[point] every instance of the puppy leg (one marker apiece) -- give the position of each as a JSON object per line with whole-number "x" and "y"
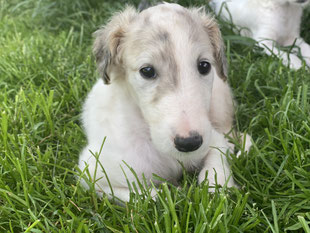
{"x": 122, "y": 193}
{"x": 304, "y": 50}
{"x": 216, "y": 163}
{"x": 114, "y": 174}
{"x": 288, "y": 59}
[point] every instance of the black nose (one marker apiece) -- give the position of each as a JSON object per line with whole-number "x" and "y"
{"x": 301, "y": 1}
{"x": 188, "y": 144}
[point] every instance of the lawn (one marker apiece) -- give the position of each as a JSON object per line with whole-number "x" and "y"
{"x": 46, "y": 71}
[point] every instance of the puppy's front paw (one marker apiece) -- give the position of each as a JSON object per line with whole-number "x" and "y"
{"x": 293, "y": 62}
{"x": 307, "y": 60}
{"x": 216, "y": 178}
{"x": 246, "y": 143}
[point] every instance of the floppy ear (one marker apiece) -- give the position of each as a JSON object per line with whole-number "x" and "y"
{"x": 108, "y": 41}
{"x": 214, "y": 33}
{"x": 218, "y": 47}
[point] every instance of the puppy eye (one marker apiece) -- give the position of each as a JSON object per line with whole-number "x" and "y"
{"x": 204, "y": 67}
{"x": 148, "y": 72}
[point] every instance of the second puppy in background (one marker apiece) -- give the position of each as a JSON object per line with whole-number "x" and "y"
{"x": 272, "y": 23}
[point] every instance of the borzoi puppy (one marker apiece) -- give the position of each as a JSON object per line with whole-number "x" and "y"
{"x": 272, "y": 23}
{"x": 163, "y": 100}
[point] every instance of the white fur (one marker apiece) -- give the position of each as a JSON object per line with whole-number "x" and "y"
{"x": 269, "y": 22}
{"x": 139, "y": 130}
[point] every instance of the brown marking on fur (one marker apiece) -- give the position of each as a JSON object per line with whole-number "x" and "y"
{"x": 163, "y": 36}
{"x": 167, "y": 83}
{"x": 166, "y": 53}
{"x": 190, "y": 23}
{"x": 166, "y": 56}
{"x": 218, "y": 47}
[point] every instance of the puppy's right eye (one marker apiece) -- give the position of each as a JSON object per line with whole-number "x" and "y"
{"x": 204, "y": 67}
{"x": 148, "y": 72}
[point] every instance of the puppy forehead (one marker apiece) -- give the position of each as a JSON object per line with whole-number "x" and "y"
{"x": 170, "y": 16}
{"x": 167, "y": 24}
{"x": 165, "y": 10}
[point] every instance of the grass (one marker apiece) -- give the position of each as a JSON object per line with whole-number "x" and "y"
{"x": 46, "y": 70}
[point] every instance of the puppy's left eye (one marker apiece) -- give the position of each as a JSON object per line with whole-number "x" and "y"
{"x": 204, "y": 67}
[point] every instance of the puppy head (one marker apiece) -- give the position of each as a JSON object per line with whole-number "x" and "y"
{"x": 167, "y": 56}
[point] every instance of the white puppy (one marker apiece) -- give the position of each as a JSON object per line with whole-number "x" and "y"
{"x": 168, "y": 100}
{"x": 271, "y": 23}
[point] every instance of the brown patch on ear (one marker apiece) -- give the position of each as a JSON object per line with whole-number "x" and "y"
{"x": 218, "y": 49}
{"x": 214, "y": 33}
{"x": 106, "y": 47}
